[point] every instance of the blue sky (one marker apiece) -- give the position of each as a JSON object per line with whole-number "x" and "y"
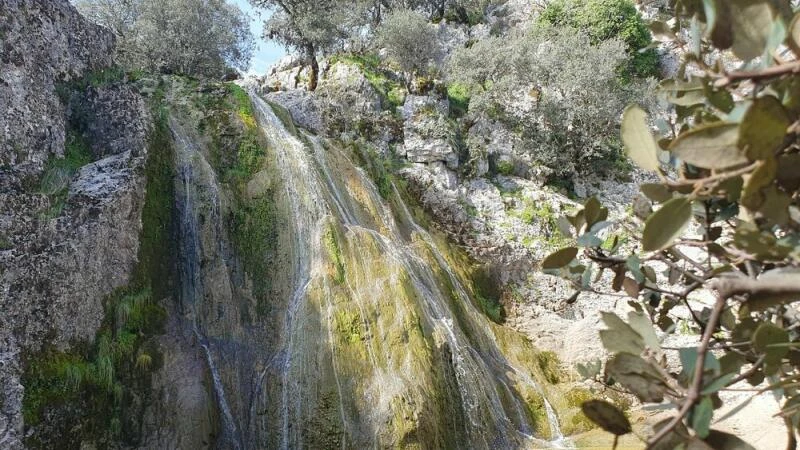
{"x": 266, "y": 52}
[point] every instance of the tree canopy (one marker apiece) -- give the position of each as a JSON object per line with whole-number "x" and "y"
{"x": 192, "y": 37}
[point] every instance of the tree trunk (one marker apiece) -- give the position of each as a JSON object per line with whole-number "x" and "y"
{"x": 314, "y": 75}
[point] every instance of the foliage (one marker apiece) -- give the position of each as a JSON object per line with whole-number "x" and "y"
{"x": 726, "y": 221}
{"x": 413, "y": 51}
{"x": 392, "y": 92}
{"x": 175, "y": 36}
{"x": 535, "y": 85}
{"x": 609, "y": 19}
{"x": 458, "y": 97}
{"x": 59, "y": 172}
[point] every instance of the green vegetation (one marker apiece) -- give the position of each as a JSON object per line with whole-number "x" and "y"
{"x": 255, "y": 232}
{"x": 608, "y": 19}
{"x": 334, "y": 253}
{"x": 59, "y": 172}
{"x": 505, "y": 167}
{"x": 5, "y": 244}
{"x": 734, "y": 175}
{"x": 238, "y": 153}
{"x": 392, "y": 92}
{"x": 100, "y": 382}
{"x": 550, "y": 366}
{"x": 458, "y": 96}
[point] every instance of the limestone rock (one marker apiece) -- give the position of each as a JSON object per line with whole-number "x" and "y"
{"x": 44, "y": 43}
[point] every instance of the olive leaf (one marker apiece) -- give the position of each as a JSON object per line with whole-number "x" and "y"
{"x": 656, "y": 192}
{"x": 606, "y": 416}
{"x": 639, "y": 142}
{"x": 560, "y": 258}
{"x": 642, "y": 325}
{"x": 620, "y": 337}
{"x": 751, "y": 21}
{"x": 701, "y": 417}
{"x": 718, "y": 21}
{"x": 765, "y": 339}
{"x": 763, "y": 128}
{"x": 712, "y": 146}
{"x": 640, "y": 377}
{"x": 666, "y": 224}
{"x": 794, "y": 34}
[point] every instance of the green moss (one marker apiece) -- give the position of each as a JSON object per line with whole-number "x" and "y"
{"x": 242, "y": 104}
{"x": 334, "y": 253}
{"x": 5, "y": 243}
{"x": 549, "y": 364}
{"x": 505, "y": 167}
{"x": 348, "y": 326}
{"x": 392, "y": 92}
{"x": 255, "y": 236}
{"x": 285, "y": 117}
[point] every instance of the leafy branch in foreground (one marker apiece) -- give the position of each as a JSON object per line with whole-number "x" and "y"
{"x": 718, "y": 239}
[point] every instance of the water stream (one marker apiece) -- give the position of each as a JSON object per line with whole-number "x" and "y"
{"x": 323, "y": 187}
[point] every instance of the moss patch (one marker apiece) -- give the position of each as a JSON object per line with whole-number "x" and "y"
{"x": 331, "y": 243}
{"x": 392, "y": 92}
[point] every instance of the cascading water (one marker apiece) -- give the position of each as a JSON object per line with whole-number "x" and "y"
{"x": 194, "y": 171}
{"x": 402, "y": 351}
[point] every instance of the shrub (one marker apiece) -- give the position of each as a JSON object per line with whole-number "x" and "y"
{"x": 609, "y": 19}
{"x": 412, "y": 51}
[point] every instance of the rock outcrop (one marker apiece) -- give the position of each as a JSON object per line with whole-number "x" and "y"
{"x": 61, "y": 252}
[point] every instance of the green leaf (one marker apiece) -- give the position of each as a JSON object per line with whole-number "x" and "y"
{"x": 642, "y": 325}
{"x": 620, "y": 337}
{"x": 638, "y": 376}
{"x": 718, "y": 384}
{"x": 712, "y": 146}
{"x": 763, "y": 128}
{"x": 751, "y": 21}
{"x": 765, "y": 336}
{"x": 794, "y": 34}
{"x": 718, "y": 19}
{"x": 666, "y": 224}
{"x": 701, "y": 417}
{"x": 656, "y": 192}
{"x": 607, "y": 417}
{"x": 560, "y": 259}
{"x": 639, "y": 142}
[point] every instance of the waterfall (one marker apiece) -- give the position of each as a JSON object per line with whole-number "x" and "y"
{"x": 419, "y": 301}
{"x": 195, "y": 174}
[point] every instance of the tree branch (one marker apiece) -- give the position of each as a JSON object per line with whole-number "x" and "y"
{"x": 769, "y": 73}
{"x": 697, "y": 383}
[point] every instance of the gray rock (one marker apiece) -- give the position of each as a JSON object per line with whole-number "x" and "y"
{"x": 304, "y": 107}
{"x": 427, "y": 138}
{"x": 44, "y": 42}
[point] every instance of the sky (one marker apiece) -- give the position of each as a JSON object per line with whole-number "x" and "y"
{"x": 266, "y": 52}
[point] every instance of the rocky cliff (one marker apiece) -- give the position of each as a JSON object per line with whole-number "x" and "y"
{"x": 71, "y": 194}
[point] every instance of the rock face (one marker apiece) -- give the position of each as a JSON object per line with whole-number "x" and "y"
{"x": 44, "y": 42}
{"x": 56, "y": 264}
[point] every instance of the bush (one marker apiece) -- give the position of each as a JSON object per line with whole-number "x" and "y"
{"x": 412, "y": 51}
{"x": 562, "y": 125}
{"x": 609, "y": 19}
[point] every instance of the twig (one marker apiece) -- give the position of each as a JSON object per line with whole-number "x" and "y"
{"x": 697, "y": 383}
{"x": 792, "y": 68}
